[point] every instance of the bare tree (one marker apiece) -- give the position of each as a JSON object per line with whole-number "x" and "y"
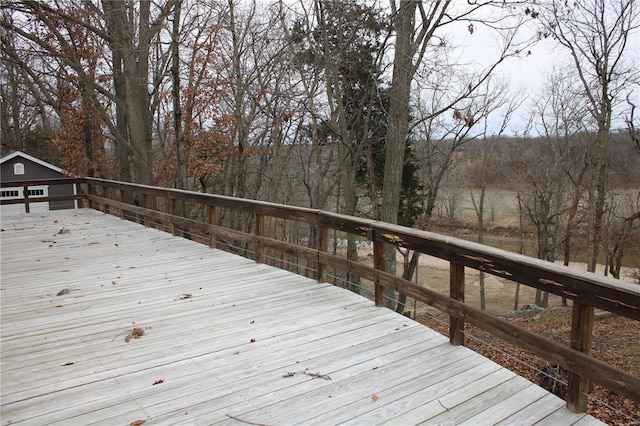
{"x": 73, "y": 36}
{"x": 487, "y": 172}
{"x": 596, "y": 35}
{"x": 620, "y": 228}
{"x": 417, "y": 27}
{"x": 561, "y": 118}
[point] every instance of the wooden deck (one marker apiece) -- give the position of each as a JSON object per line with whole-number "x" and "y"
{"x": 226, "y": 341}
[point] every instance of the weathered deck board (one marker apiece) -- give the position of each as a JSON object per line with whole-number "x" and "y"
{"x": 223, "y": 351}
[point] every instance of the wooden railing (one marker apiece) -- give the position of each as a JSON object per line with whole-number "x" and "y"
{"x": 586, "y": 290}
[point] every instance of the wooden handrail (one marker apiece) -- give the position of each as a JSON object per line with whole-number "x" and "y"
{"x": 586, "y": 290}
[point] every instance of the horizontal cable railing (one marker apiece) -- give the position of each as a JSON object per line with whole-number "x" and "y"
{"x": 259, "y": 230}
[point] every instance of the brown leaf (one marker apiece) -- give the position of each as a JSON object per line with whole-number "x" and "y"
{"x": 136, "y": 333}
{"x": 157, "y": 382}
{"x": 138, "y": 422}
{"x": 374, "y": 397}
{"x": 253, "y": 340}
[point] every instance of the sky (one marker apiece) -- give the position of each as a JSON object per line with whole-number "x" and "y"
{"x": 530, "y": 72}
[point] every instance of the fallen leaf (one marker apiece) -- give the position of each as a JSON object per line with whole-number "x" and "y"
{"x": 64, "y": 291}
{"x": 138, "y": 422}
{"x": 62, "y": 232}
{"x": 136, "y": 333}
{"x": 374, "y": 397}
{"x": 157, "y": 382}
{"x": 253, "y": 340}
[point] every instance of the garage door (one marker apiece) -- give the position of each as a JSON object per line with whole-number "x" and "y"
{"x": 17, "y": 192}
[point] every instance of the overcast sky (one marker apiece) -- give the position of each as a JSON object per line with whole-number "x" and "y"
{"x": 530, "y": 71}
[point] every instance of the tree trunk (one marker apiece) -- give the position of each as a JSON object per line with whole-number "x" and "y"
{"x": 181, "y": 158}
{"x": 516, "y": 300}
{"x": 481, "y": 241}
{"x": 122, "y": 124}
{"x": 398, "y": 125}
{"x": 410, "y": 267}
{"x": 135, "y": 77}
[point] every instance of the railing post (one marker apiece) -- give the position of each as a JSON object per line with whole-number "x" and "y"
{"x": 123, "y": 199}
{"x": 456, "y": 292}
{"x": 323, "y": 246}
{"x": 108, "y": 194}
{"x": 83, "y": 189}
{"x": 212, "y": 218}
{"x": 103, "y": 194}
{"x": 25, "y": 194}
{"x": 173, "y": 205}
{"x": 378, "y": 263}
{"x": 259, "y": 233}
{"x": 145, "y": 204}
{"x": 581, "y": 338}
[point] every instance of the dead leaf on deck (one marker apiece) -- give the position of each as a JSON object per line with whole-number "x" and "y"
{"x": 374, "y": 397}
{"x": 136, "y": 333}
{"x": 62, "y": 232}
{"x": 138, "y": 422}
{"x": 253, "y": 340}
{"x": 157, "y": 382}
{"x": 64, "y": 291}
